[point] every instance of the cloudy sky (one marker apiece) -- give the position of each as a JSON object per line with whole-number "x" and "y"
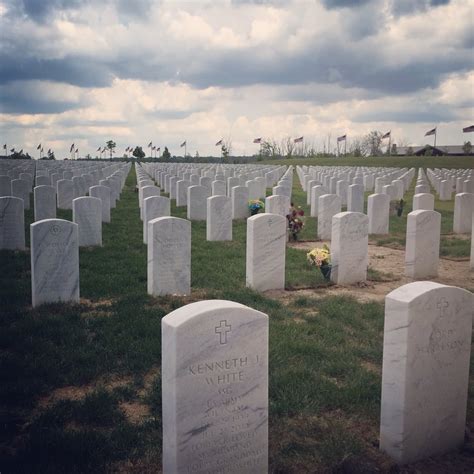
{"x": 86, "y": 71}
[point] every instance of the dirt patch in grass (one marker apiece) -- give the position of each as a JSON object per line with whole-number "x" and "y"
{"x": 96, "y": 309}
{"x": 389, "y": 266}
{"x": 135, "y": 412}
{"x": 148, "y": 380}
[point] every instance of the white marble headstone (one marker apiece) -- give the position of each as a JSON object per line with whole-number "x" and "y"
{"x": 12, "y": 223}
{"x": 425, "y": 374}
{"x": 219, "y": 218}
{"x": 44, "y": 202}
{"x": 87, "y": 214}
{"x": 215, "y": 389}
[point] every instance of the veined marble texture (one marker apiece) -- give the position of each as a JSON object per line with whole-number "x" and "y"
{"x": 154, "y": 207}
{"x": 349, "y": 248}
{"x": 219, "y": 218}
{"x": 197, "y": 203}
{"x": 215, "y": 389}
{"x": 103, "y": 193}
{"x": 425, "y": 374}
{"x": 328, "y": 206}
{"x": 12, "y": 223}
{"x": 266, "y": 252}
{"x": 44, "y": 202}
{"x": 378, "y": 210}
{"x": 169, "y": 256}
{"x": 422, "y": 244}
{"x": 54, "y": 261}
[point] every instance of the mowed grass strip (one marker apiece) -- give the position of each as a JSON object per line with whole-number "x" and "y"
{"x": 81, "y": 387}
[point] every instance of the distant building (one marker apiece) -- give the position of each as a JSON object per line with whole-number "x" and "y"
{"x": 451, "y": 150}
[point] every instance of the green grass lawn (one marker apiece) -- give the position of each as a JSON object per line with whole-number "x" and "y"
{"x": 104, "y": 355}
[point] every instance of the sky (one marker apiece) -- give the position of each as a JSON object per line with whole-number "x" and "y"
{"x": 87, "y": 71}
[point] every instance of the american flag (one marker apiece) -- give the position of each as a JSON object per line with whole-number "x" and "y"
{"x": 183, "y": 144}
{"x": 38, "y": 147}
{"x": 153, "y": 148}
{"x": 72, "y": 148}
{"x": 430, "y": 132}
{"x": 219, "y": 142}
{"x": 150, "y": 144}
{"x": 158, "y": 149}
{"x": 5, "y": 146}
{"x": 341, "y": 138}
{"x": 77, "y": 150}
{"x": 98, "y": 149}
{"x": 49, "y": 151}
{"x": 12, "y": 150}
{"x": 386, "y": 135}
{"x": 468, "y": 129}
{"x": 298, "y": 140}
{"x": 257, "y": 140}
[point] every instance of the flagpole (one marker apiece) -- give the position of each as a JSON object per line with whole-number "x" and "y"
{"x": 185, "y": 145}
{"x": 345, "y": 145}
{"x": 390, "y": 144}
{"x": 436, "y": 131}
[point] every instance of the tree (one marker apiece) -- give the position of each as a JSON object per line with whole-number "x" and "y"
{"x": 166, "y": 154}
{"x": 371, "y": 143}
{"x": 356, "y": 146}
{"x": 138, "y": 153}
{"x": 225, "y": 151}
{"x": 111, "y": 147}
{"x": 467, "y": 148}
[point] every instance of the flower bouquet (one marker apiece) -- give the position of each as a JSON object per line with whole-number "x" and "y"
{"x": 321, "y": 257}
{"x": 255, "y": 205}
{"x": 295, "y": 221}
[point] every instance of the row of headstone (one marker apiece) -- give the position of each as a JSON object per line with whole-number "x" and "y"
{"x": 215, "y": 379}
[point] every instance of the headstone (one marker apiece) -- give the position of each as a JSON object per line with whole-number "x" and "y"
{"x": 219, "y": 218}
{"x": 423, "y": 201}
{"x": 182, "y": 192}
{"x": 219, "y": 188}
{"x": 64, "y": 193}
{"x": 422, "y": 244}
{"x": 12, "y": 223}
{"x": 154, "y": 207}
{"x": 349, "y": 247}
{"x": 5, "y": 186}
{"x": 54, "y": 261}
{"x": 463, "y": 209}
{"x": 266, "y": 252}
{"x": 278, "y": 204}
{"x": 254, "y": 189}
{"x": 316, "y": 192}
{"x": 240, "y": 200}
{"x": 355, "y": 198}
{"x": 445, "y": 191}
{"x": 87, "y": 214}
{"x": 169, "y": 256}
{"x": 197, "y": 203}
{"x": 43, "y": 181}
{"x": 425, "y": 375}
{"x": 103, "y": 193}
{"x": 215, "y": 389}
{"x": 21, "y": 189}
{"x": 44, "y": 202}
{"x": 378, "y": 209}
{"x": 146, "y": 192}
{"x": 328, "y": 206}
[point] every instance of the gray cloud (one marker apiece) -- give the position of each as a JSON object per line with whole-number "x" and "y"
{"x": 418, "y": 113}
{"x": 344, "y": 3}
{"x": 409, "y": 7}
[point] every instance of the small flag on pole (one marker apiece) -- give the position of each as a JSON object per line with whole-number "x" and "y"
{"x": 158, "y": 149}
{"x": 430, "y": 132}
{"x": 20, "y": 152}
{"x": 100, "y": 148}
{"x": 341, "y": 138}
{"x": 49, "y": 151}
{"x": 12, "y": 150}
{"x": 387, "y": 135}
{"x": 468, "y": 129}
{"x": 72, "y": 148}
{"x": 183, "y": 144}
{"x": 5, "y": 146}
{"x": 150, "y": 144}
{"x": 298, "y": 140}
{"x": 219, "y": 142}
{"x": 153, "y": 147}
{"x": 257, "y": 140}
{"x": 77, "y": 150}
{"x": 38, "y": 147}
{"x": 41, "y": 150}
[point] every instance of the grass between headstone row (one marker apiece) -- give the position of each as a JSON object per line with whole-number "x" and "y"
{"x": 81, "y": 384}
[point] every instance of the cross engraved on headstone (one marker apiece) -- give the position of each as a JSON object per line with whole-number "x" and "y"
{"x": 222, "y": 330}
{"x": 442, "y": 305}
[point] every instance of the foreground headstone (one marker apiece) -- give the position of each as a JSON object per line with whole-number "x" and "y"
{"x": 427, "y": 345}
{"x": 215, "y": 389}
{"x": 169, "y": 256}
{"x": 422, "y": 244}
{"x": 54, "y": 261}
{"x": 44, "y": 202}
{"x": 349, "y": 247}
{"x": 266, "y": 252}
{"x": 12, "y": 223}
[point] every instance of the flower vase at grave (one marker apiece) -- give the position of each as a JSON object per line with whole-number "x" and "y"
{"x": 253, "y": 212}
{"x": 326, "y": 271}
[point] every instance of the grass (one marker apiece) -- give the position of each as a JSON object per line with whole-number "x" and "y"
{"x": 105, "y": 355}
